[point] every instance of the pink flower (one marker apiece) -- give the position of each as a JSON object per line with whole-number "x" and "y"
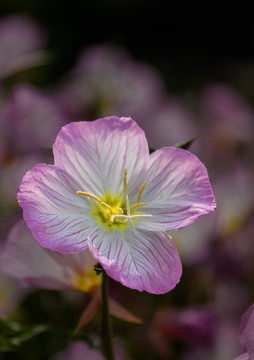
{"x": 23, "y": 258}
{"x": 224, "y": 345}
{"x": 78, "y": 350}
{"x": 228, "y": 116}
{"x": 107, "y": 80}
{"x": 247, "y": 334}
{"x": 193, "y": 326}
{"x": 227, "y": 125}
{"x": 106, "y": 194}
{"x": 30, "y": 120}
{"x": 244, "y": 356}
{"x": 21, "y": 41}
{"x": 29, "y": 123}
{"x": 171, "y": 123}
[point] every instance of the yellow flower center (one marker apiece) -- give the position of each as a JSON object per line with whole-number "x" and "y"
{"x": 114, "y": 211}
{"x": 88, "y": 281}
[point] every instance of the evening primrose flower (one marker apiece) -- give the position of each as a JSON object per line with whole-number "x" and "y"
{"x": 106, "y": 193}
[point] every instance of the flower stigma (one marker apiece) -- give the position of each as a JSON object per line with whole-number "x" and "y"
{"x": 114, "y": 210}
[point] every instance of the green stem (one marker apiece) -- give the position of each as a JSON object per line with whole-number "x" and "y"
{"x": 106, "y": 321}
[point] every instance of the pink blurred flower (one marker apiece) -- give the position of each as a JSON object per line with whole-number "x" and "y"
{"x": 228, "y": 113}
{"x": 170, "y": 124}
{"x": 35, "y": 266}
{"x": 239, "y": 246}
{"x": 23, "y": 258}
{"x": 200, "y": 235}
{"x": 233, "y": 188}
{"x": 228, "y": 123}
{"x": 247, "y": 334}
{"x": 230, "y": 229}
{"x": 78, "y": 350}
{"x": 116, "y": 200}
{"x": 194, "y": 327}
{"x": 225, "y": 347}
{"x": 244, "y": 356}
{"x": 10, "y": 176}
{"x": 30, "y": 120}
{"x": 21, "y": 41}
{"x": 106, "y": 80}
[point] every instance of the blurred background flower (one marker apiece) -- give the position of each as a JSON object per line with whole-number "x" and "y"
{"x": 21, "y": 44}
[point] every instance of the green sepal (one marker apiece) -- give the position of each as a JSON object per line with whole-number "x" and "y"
{"x": 186, "y": 144}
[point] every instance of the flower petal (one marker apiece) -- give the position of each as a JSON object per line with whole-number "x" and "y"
{"x": 97, "y": 152}
{"x": 247, "y": 331}
{"x": 142, "y": 260}
{"x": 178, "y": 190}
{"x": 89, "y": 311}
{"x": 121, "y": 312}
{"x": 77, "y": 350}
{"x": 53, "y": 211}
{"x": 244, "y": 356}
{"x": 23, "y": 258}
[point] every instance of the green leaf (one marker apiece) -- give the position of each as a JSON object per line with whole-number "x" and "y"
{"x": 181, "y": 145}
{"x": 186, "y": 144}
{"x": 13, "y": 334}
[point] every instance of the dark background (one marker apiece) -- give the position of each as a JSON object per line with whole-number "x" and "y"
{"x": 191, "y": 44}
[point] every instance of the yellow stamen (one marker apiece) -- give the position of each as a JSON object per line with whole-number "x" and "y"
{"x": 113, "y": 213}
{"x": 89, "y": 195}
{"x": 140, "y": 191}
{"x": 107, "y": 206}
{"x": 124, "y": 180}
{"x": 137, "y": 205}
